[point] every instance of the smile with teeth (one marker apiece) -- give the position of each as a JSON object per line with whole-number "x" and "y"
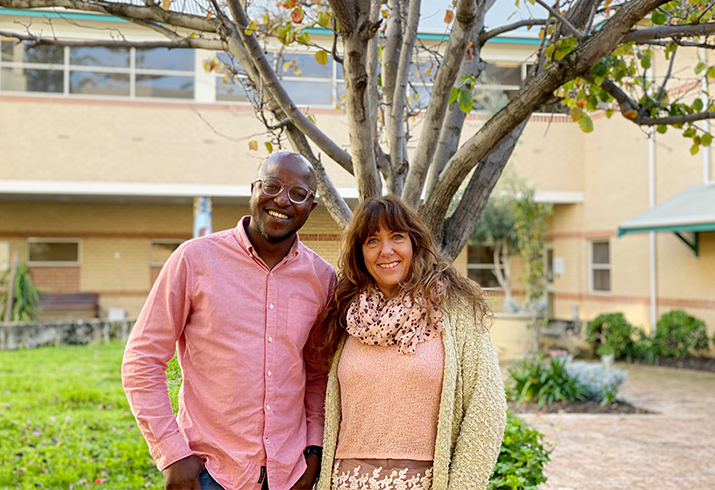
{"x": 276, "y": 214}
{"x": 389, "y": 265}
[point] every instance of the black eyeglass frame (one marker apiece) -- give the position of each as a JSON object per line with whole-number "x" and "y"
{"x": 287, "y": 188}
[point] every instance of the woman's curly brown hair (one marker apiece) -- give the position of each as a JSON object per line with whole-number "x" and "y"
{"x": 431, "y": 276}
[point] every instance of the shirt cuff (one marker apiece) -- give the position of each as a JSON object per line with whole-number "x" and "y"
{"x": 315, "y": 436}
{"x": 170, "y": 450}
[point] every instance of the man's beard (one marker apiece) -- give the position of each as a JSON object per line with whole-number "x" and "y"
{"x": 271, "y": 239}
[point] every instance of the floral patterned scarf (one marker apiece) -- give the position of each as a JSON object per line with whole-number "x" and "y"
{"x": 375, "y": 320}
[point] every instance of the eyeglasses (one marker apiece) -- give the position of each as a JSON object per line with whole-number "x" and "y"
{"x": 296, "y": 193}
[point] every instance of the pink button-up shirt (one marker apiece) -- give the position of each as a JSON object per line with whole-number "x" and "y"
{"x": 249, "y": 398}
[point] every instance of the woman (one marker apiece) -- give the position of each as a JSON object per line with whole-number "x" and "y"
{"x": 415, "y": 396}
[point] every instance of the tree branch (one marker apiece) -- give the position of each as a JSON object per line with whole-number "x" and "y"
{"x": 126, "y": 11}
{"x": 466, "y": 18}
{"x": 534, "y": 94}
{"x": 664, "y": 32}
{"x": 281, "y": 96}
{"x": 680, "y": 119}
{"x": 577, "y": 34}
{"x": 183, "y": 42}
{"x": 487, "y": 35}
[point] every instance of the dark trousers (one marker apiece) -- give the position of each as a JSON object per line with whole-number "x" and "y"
{"x": 208, "y": 483}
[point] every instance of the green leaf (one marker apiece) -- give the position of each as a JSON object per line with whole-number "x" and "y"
{"x": 304, "y": 38}
{"x": 454, "y": 94}
{"x": 694, "y": 149}
{"x": 269, "y": 146}
{"x": 324, "y": 18}
{"x": 711, "y": 72}
{"x": 321, "y": 57}
{"x": 662, "y": 128}
{"x": 576, "y": 113}
{"x": 706, "y": 139}
{"x": 658, "y": 18}
{"x": 645, "y": 62}
{"x": 586, "y": 124}
{"x": 698, "y": 105}
{"x": 464, "y": 99}
{"x": 251, "y": 27}
{"x": 311, "y": 118}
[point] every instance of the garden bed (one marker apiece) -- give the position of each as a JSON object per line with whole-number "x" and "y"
{"x": 616, "y": 407}
{"x": 695, "y": 363}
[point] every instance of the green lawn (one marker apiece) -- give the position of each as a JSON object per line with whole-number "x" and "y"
{"x": 65, "y": 422}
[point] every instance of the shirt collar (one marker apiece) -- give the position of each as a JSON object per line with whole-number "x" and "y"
{"x": 245, "y": 243}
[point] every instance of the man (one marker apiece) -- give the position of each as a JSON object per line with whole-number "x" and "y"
{"x": 238, "y": 306}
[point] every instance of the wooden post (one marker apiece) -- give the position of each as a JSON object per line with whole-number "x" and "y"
{"x": 11, "y": 287}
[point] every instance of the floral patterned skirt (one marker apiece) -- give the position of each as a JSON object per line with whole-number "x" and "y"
{"x": 381, "y": 474}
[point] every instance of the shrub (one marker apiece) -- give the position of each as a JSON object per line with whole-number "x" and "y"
{"x": 678, "y": 334}
{"x": 533, "y": 380}
{"x": 601, "y": 380}
{"x": 611, "y": 333}
{"x": 26, "y": 297}
{"x": 521, "y": 461}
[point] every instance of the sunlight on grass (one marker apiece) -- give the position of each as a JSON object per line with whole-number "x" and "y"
{"x": 65, "y": 422}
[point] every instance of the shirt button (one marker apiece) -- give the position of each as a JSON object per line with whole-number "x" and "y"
{"x": 271, "y": 274}
{"x": 270, "y": 339}
{"x": 271, "y": 307}
{"x": 268, "y": 407}
{"x": 268, "y": 441}
{"x": 270, "y": 374}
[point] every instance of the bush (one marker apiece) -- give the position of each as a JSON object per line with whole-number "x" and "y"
{"x": 521, "y": 461}
{"x": 612, "y": 334}
{"x": 678, "y": 334}
{"x": 533, "y": 380}
{"x": 601, "y": 380}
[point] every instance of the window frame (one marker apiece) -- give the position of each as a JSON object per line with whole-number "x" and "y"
{"x": 50, "y": 263}
{"x": 154, "y": 241}
{"x": 592, "y": 267}
{"x": 483, "y": 266}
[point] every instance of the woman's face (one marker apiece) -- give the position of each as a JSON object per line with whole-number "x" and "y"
{"x": 388, "y": 259}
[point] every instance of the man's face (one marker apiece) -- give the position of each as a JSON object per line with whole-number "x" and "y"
{"x": 277, "y": 218}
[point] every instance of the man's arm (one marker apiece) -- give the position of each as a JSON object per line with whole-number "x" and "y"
{"x": 151, "y": 345}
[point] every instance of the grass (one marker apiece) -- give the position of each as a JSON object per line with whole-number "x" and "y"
{"x": 65, "y": 422}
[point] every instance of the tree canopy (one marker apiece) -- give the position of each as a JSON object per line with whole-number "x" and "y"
{"x": 593, "y": 55}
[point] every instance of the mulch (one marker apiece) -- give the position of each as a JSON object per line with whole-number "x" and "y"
{"x": 695, "y": 363}
{"x": 617, "y": 407}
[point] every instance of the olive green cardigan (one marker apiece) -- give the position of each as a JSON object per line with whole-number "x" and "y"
{"x": 472, "y": 409}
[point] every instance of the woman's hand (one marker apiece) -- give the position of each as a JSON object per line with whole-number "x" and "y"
{"x": 184, "y": 474}
{"x": 311, "y": 473}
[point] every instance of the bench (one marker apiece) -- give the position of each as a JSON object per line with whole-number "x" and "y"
{"x": 63, "y": 306}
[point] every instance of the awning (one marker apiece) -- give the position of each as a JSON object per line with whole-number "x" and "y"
{"x": 692, "y": 210}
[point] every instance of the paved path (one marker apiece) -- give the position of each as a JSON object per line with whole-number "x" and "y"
{"x": 671, "y": 450}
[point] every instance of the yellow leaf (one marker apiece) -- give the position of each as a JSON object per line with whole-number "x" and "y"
{"x": 165, "y": 4}
{"x": 448, "y": 16}
{"x": 630, "y": 114}
{"x": 251, "y": 27}
{"x": 253, "y": 145}
{"x": 269, "y": 146}
{"x": 321, "y": 57}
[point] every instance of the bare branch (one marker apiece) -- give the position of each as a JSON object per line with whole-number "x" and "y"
{"x": 466, "y": 18}
{"x": 680, "y": 119}
{"x": 685, "y": 44}
{"x": 577, "y": 34}
{"x": 281, "y": 96}
{"x": 487, "y": 35}
{"x": 127, "y": 11}
{"x": 664, "y": 32}
{"x": 184, "y": 42}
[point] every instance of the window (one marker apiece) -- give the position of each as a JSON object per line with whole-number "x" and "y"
{"x": 53, "y": 252}
{"x": 480, "y": 266}
{"x": 93, "y": 70}
{"x": 600, "y": 267}
{"x": 161, "y": 250}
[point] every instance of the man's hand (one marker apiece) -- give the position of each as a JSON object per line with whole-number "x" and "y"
{"x": 184, "y": 474}
{"x": 311, "y": 473}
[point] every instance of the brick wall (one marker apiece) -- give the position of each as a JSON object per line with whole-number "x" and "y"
{"x": 56, "y": 279}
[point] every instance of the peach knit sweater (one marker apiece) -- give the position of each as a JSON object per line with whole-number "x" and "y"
{"x": 390, "y": 401}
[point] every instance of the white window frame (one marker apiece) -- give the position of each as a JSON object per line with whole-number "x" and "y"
{"x": 51, "y": 263}
{"x": 594, "y": 267}
{"x": 484, "y": 266}
{"x": 153, "y": 241}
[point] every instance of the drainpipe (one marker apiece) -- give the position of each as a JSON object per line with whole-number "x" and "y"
{"x": 651, "y": 204}
{"x": 706, "y": 122}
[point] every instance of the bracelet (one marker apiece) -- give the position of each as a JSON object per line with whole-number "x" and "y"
{"x": 317, "y": 450}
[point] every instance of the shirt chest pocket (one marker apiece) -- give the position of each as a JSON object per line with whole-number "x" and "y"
{"x": 300, "y": 317}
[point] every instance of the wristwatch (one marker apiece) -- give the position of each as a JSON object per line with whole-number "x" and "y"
{"x": 317, "y": 450}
